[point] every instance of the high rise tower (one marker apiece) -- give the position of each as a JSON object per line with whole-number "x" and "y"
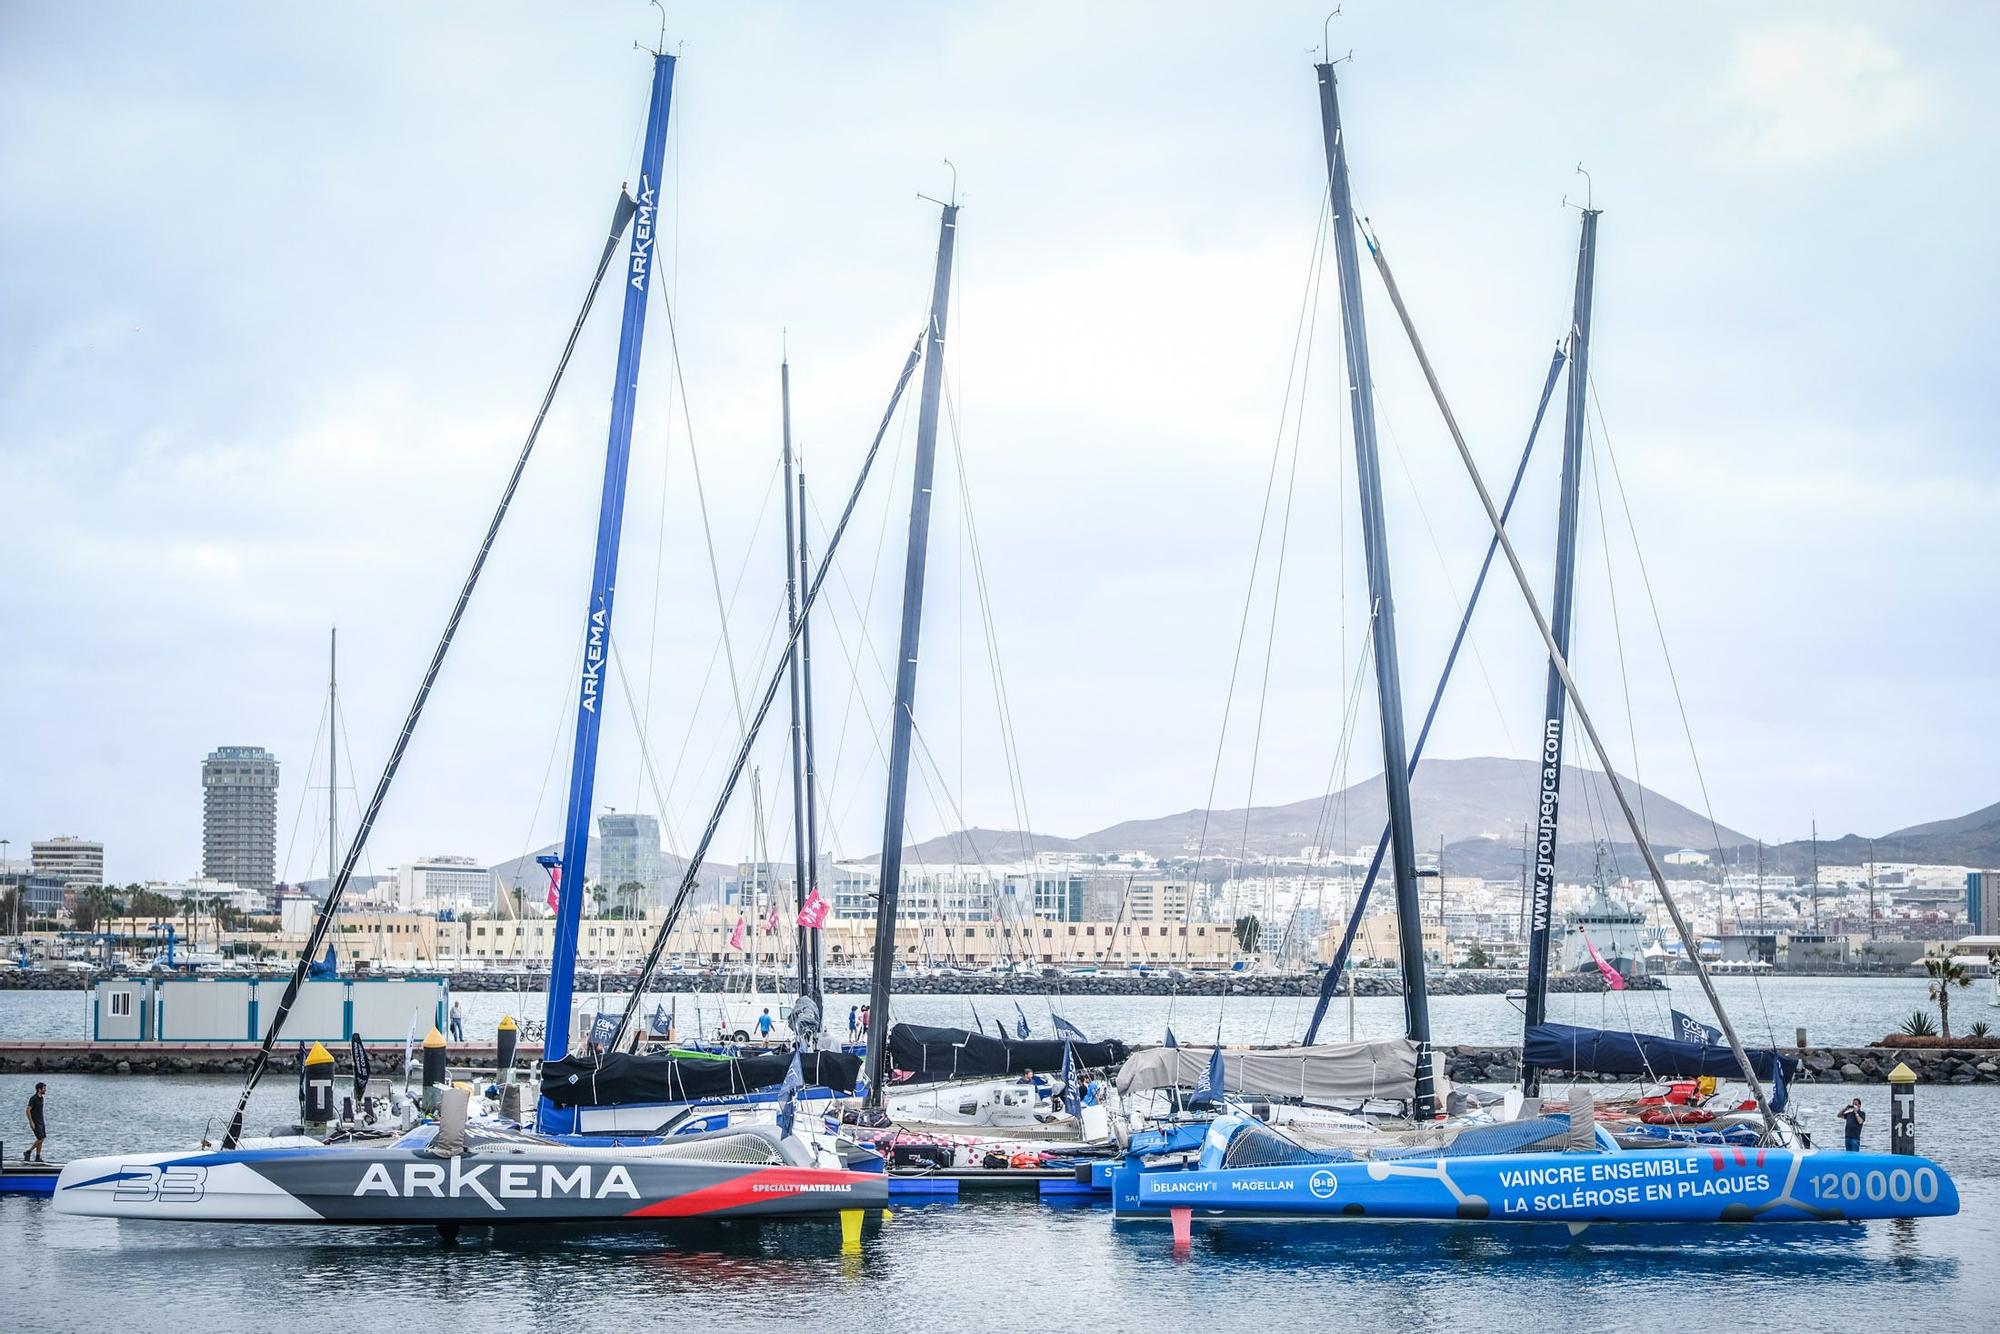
{"x": 239, "y": 816}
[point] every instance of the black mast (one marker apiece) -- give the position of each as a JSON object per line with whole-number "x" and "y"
{"x": 818, "y": 987}
{"x": 1388, "y": 687}
{"x": 906, "y": 662}
{"x": 1548, "y": 800}
{"x": 793, "y": 574}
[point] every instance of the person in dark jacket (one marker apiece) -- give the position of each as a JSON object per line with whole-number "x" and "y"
{"x": 1853, "y": 1118}
{"x": 38, "y": 1123}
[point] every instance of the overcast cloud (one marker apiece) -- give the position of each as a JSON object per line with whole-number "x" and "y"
{"x": 282, "y": 287}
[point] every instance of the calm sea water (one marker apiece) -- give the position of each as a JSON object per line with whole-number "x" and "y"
{"x": 1834, "y": 1012}
{"x": 1014, "y": 1263}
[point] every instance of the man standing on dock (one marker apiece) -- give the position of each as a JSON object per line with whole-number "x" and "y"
{"x": 37, "y": 1123}
{"x": 457, "y": 1022}
{"x": 1853, "y": 1118}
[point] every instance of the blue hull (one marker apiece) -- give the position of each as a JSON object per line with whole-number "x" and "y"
{"x": 1663, "y": 1186}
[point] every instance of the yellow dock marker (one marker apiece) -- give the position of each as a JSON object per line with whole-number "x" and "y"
{"x": 319, "y": 1055}
{"x": 850, "y": 1231}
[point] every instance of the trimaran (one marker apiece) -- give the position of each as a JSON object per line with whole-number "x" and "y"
{"x": 1545, "y": 1164}
{"x": 449, "y": 1173}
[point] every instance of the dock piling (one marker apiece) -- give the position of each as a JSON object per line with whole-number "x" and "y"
{"x": 316, "y": 1112}
{"x": 1902, "y": 1109}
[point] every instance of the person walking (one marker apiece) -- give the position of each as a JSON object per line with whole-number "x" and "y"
{"x": 853, "y": 1024}
{"x": 764, "y": 1025}
{"x": 864, "y": 1019}
{"x": 38, "y": 1123}
{"x": 457, "y": 1022}
{"x": 1853, "y": 1118}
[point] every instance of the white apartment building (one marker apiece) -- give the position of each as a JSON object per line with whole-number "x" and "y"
{"x": 77, "y": 862}
{"x": 434, "y": 884}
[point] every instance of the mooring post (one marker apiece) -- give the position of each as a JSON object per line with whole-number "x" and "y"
{"x": 1902, "y": 1109}
{"x": 436, "y": 1072}
{"x": 507, "y": 1043}
{"x": 316, "y": 1115}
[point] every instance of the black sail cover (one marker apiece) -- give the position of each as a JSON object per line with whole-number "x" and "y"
{"x": 930, "y": 1054}
{"x": 622, "y": 1078}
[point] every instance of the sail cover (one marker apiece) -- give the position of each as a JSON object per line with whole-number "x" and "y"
{"x": 1385, "y": 1069}
{"x": 958, "y": 1053}
{"x": 1600, "y": 1051}
{"x": 621, "y": 1078}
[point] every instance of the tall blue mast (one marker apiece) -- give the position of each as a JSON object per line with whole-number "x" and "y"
{"x": 906, "y": 663}
{"x": 1375, "y": 546}
{"x": 1548, "y": 790}
{"x": 604, "y": 573}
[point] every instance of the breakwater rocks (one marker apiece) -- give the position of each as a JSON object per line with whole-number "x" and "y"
{"x": 1468, "y": 1065}
{"x": 1157, "y": 982}
{"x": 1826, "y": 1065}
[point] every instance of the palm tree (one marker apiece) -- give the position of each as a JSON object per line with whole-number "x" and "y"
{"x": 1945, "y": 973}
{"x": 628, "y": 898}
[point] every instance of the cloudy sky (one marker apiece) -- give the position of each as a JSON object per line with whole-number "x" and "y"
{"x": 282, "y": 287}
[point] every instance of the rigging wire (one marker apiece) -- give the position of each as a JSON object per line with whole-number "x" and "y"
{"x": 1313, "y": 265}
{"x": 318, "y": 734}
{"x": 323, "y": 922}
{"x": 652, "y": 961}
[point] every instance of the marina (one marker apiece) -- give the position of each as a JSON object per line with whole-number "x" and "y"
{"x": 762, "y": 1025}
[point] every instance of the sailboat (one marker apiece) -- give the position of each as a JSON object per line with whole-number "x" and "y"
{"x": 458, "y": 1171}
{"x": 1544, "y": 1164}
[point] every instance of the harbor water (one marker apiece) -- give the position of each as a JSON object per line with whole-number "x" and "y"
{"x": 1004, "y": 1262}
{"x": 1834, "y": 1011}
{"x": 1009, "y": 1260}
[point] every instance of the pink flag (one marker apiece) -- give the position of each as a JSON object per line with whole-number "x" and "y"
{"x": 812, "y": 913}
{"x": 555, "y": 878}
{"x": 736, "y": 936}
{"x": 1611, "y": 977}
{"x": 771, "y": 922}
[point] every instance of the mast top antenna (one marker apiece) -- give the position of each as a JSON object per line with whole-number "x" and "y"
{"x": 1589, "y": 191}
{"x": 1325, "y": 47}
{"x": 954, "y": 188}
{"x": 662, "y": 47}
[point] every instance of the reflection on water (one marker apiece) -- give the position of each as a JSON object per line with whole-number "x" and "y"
{"x": 974, "y": 1264}
{"x": 1005, "y": 1260}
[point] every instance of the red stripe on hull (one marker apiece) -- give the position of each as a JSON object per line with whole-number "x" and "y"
{"x": 765, "y": 1187}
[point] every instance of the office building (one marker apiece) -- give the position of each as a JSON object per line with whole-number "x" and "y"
{"x": 629, "y": 854}
{"x": 239, "y": 817}
{"x": 439, "y": 884}
{"x": 77, "y": 862}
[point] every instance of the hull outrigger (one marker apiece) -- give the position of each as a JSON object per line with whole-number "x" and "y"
{"x": 501, "y": 1177}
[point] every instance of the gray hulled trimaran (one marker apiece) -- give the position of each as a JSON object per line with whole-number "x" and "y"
{"x": 450, "y": 1174}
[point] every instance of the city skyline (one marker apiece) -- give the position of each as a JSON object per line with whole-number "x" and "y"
{"x": 213, "y": 450}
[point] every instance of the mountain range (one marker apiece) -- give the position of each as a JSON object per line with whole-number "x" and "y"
{"x": 1478, "y": 808}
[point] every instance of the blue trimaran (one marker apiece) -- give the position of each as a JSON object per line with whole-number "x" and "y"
{"x": 1549, "y": 1164}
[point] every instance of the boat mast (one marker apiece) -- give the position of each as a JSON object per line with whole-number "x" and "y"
{"x": 1375, "y": 544}
{"x": 1815, "y": 856}
{"x": 906, "y": 661}
{"x": 604, "y": 571}
{"x": 332, "y": 757}
{"x": 810, "y": 954}
{"x": 793, "y": 574}
{"x": 1548, "y": 808}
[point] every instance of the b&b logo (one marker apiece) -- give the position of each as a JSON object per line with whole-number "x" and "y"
{"x": 1323, "y": 1184}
